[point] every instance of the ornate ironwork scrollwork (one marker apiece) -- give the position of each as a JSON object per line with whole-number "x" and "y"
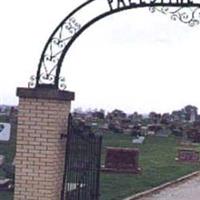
{"x": 88, "y": 13}
{"x": 62, "y": 84}
{"x": 187, "y": 15}
{"x": 32, "y": 82}
{"x": 48, "y": 81}
{"x": 54, "y": 51}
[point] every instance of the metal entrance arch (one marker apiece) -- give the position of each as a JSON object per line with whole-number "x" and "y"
{"x": 49, "y": 68}
{"x": 70, "y": 28}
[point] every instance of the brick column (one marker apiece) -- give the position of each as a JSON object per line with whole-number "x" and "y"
{"x": 40, "y": 151}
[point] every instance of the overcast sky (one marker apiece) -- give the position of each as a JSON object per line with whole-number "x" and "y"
{"x": 133, "y": 60}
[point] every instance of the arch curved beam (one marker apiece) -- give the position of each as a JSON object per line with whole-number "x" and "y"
{"x": 91, "y": 11}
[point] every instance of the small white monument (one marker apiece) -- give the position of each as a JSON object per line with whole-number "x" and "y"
{"x": 138, "y": 140}
{"x": 2, "y": 159}
{"x": 5, "y": 131}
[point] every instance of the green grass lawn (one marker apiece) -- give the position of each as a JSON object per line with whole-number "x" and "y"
{"x": 6, "y": 195}
{"x": 157, "y": 160}
{"x": 8, "y": 150}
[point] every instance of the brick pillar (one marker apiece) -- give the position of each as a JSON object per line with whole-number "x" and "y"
{"x": 40, "y": 150}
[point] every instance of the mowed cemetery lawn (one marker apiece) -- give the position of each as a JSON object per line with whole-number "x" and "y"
{"x": 8, "y": 150}
{"x": 157, "y": 160}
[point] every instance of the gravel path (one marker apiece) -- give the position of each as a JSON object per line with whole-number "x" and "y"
{"x": 188, "y": 190}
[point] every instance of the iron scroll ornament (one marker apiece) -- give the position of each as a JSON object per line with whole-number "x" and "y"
{"x": 58, "y": 44}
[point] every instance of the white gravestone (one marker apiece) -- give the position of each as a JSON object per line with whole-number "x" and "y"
{"x": 138, "y": 140}
{"x": 5, "y": 131}
{"x": 2, "y": 158}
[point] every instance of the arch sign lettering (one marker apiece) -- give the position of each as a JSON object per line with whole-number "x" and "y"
{"x": 58, "y": 44}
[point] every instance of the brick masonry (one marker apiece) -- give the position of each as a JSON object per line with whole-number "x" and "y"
{"x": 40, "y": 151}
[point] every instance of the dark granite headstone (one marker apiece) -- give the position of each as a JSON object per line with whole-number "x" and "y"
{"x": 121, "y": 160}
{"x": 188, "y": 155}
{"x": 196, "y": 137}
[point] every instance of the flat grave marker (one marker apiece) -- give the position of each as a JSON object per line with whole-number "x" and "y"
{"x": 188, "y": 155}
{"x": 121, "y": 160}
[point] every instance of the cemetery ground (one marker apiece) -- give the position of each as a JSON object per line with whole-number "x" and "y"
{"x": 8, "y": 150}
{"x": 185, "y": 190}
{"x": 157, "y": 160}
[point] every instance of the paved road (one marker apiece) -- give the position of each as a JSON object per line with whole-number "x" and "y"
{"x": 189, "y": 190}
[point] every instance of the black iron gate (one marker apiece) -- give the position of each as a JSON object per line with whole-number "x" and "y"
{"x": 82, "y": 165}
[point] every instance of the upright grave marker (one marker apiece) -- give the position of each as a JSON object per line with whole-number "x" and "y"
{"x": 188, "y": 155}
{"x": 121, "y": 160}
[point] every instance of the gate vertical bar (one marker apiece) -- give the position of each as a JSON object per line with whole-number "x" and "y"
{"x": 67, "y": 152}
{"x": 82, "y": 165}
{"x": 99, "y": 168}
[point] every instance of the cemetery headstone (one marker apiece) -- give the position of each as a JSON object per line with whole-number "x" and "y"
{"x": 138, "y": 140}
{"x": 2, "y": 158}
{"x": 6, "y": 185}
{"x": 5, "y": 129}
{"x": 164, "y": 132}
{"x": 188, "y": 155}
{"x": 122, "y": 160}
{"x": 196, "y": 138}
{"x": 193, "y": 134}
